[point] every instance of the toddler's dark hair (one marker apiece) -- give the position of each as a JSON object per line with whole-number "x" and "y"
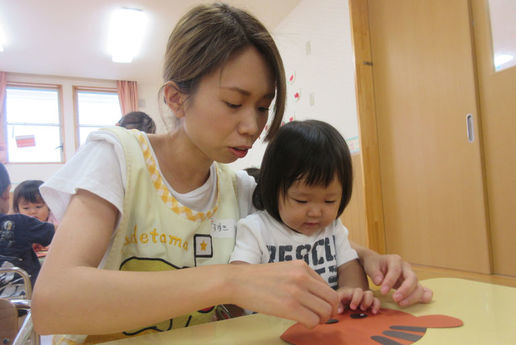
{"x": 311, "y": 150}
{"x": 27, "y": 190}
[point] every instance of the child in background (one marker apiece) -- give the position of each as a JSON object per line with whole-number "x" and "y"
{"x": 138, "y": 120}
{"x": 301, "y": 194}
{"x": 19, "y": 232}
{"x": 27, "y": 200}
{"x": 253, "y": 172}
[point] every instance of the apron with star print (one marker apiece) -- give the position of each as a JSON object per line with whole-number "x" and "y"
{"x": 157, "y": 233}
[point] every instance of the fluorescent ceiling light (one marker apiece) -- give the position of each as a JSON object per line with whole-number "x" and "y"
{"x": 501, "y": 59}
{"x": 126, "y": 33}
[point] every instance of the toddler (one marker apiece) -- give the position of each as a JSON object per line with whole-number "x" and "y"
{"x": 18, "y": 233}
{"x": 27, "y": 200}
{"x": 304, "y": 185}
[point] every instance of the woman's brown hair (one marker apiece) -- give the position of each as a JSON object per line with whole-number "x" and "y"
{"x": 205, "y": 38}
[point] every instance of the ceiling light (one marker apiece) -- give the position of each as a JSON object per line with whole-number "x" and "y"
{"x": 126, "y": 33}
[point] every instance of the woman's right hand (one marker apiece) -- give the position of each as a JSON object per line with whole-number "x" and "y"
{"x": 290, "y": 290}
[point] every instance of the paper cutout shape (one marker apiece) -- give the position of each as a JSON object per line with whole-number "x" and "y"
{"x": 388, "y": 327}
{"x": 292, "y": 78}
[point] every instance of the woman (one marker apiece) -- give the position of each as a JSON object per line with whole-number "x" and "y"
{"x": 132, "y": 202}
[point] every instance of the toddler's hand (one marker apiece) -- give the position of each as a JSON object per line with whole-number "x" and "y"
{"x": 355, "y": 298}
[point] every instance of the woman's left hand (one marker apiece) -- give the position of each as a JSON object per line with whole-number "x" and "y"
{"x": 390, "y": 271}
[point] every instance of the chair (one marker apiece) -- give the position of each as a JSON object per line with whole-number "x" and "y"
{"x": 15, "y": 300}
{"x": 8, "y": 321}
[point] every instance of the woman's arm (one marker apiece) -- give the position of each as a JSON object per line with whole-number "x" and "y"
{"x": 73, "y": 296}
{"x": 390, "y": 271}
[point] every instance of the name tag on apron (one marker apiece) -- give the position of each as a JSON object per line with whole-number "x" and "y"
{"x": 222, "y": 228}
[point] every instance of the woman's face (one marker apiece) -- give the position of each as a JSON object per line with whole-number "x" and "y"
{"x": 230, "y": 108}
{"x": 34, "y": 209}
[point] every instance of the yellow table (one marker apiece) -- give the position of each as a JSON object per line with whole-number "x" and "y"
{"x": 487, "y": 311}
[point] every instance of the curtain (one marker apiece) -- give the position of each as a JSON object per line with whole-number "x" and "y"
{"x": 3, "y": 144}
{"x": 128, "y": 95}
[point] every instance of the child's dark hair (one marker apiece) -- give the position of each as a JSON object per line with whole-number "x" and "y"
{"x": 311, "y": 150}
{"x": 253, "y": 172}
{"x": 5, "y": 181}
{"x": 27, "y": 190}
{"x": 138, "y": 120}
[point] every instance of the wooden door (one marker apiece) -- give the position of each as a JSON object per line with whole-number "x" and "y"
{"x": 431, "y": 174}
{"x": 497, "y": 91}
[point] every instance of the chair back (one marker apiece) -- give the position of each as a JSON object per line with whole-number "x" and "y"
{"x": 8, "y": 322}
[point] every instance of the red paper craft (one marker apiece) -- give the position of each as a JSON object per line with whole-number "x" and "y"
{"x": 388, "y": 327}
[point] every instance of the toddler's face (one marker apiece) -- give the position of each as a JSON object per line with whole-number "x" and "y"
{"x": 309, "y": 209}
{"x": 34, "y": 209}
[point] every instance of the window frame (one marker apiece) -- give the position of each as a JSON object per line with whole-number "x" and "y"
{"x": 60, "y": 105}
{"x": 75, "y": 90}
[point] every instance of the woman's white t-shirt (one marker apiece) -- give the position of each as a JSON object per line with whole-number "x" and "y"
{"x": 99, "y": 167}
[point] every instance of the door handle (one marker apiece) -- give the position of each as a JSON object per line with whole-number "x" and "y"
{"x": 469, "y": 127}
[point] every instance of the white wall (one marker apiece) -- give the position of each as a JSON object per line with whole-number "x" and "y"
{"x": 315, "y": 43}
{"x": 149, "y": 102}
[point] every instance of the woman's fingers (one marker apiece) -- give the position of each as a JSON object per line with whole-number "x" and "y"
{"x": 289, "y": 290}
{"x": 427, "y": 295}
{"x": 419, "y": 295}
{"x": 313, "y": 295}
{"x": 398, "y": 275}
{"x": 324, "y": 292}
{"x": 393, "y": 272}
{"x": 317, "y": 306}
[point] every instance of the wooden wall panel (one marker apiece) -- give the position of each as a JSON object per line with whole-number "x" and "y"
{"x": 367, "y": 122}
{"x": 354, "y": 217}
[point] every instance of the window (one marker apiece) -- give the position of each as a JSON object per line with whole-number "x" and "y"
{"x": 96, "y": 109}
{"x": 32, "y": 124}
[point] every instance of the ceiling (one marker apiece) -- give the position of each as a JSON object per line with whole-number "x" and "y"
{"x": 68, "y": 38}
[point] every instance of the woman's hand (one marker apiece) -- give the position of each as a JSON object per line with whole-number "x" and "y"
{"x": 355, "y": 298}
{"x": 290, "y": 290}
{"x": 391, "y": 272}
